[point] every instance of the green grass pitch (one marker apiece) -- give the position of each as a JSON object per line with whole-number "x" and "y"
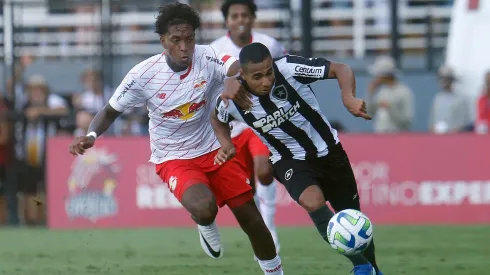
{"x": 438, "y": 250}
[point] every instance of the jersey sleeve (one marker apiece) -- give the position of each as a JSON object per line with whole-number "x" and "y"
{"x": 128, "y": 95}
{"x": 307, "y": 70}
{"x": 219, "y": 63}
{"x": 222, "y": 111}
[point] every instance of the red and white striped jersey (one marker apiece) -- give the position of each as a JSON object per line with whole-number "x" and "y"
{"x": 179, "y": 103}
{"x": 225, "y": 44}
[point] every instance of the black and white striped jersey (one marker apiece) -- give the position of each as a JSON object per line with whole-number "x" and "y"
{"x": 288, "y": 120}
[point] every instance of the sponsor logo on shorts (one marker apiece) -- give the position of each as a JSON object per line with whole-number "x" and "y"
{"x": 172, "y": 183}
{"x": 289, "y": 174}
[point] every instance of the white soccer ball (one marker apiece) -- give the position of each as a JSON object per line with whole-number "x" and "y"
{"x": 350, "y": 232}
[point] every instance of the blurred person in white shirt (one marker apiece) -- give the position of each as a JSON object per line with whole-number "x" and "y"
{"x": 389, "y": 101}
{"x": 450, "y": 112}
{"x": 92, "y": 99}
{"x": 239, "y": 16}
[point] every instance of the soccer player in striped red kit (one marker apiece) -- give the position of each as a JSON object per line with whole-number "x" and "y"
{"x": 239, "y": 16}
{"x": 179, "y": 87}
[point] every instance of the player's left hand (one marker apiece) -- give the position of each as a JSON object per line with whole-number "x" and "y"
{"x": 237, "y": 92}
{"x": 357, "y": 107}
{"x": 225, "y": 153}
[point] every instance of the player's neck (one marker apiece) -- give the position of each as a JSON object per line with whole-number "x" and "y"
{"x": 241, "y": 40}
{"x": 174, "y": 66}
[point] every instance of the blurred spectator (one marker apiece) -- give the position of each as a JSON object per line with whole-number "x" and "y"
{"x": 20, "y": 98}
{"x": 449, "y": 113}
{"x": 483, "y": 110}
{"x": 4, "y": 139}
{"x": 389, "y": 101}
{"x": 42, "y": 112}
{"x": 93, "y": 99}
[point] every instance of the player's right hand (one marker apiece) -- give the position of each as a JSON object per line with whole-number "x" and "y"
{"x": 80, "y": 144}
{"x": 236, "y": 91}
{"x": 357, "y": 107}
{"x": 225, "y": 153}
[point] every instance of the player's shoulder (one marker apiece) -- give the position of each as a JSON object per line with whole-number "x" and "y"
{"x": 206, "y": 51}
{"x": 138, "y": 70}
{"x": 219, "y": 42}
{"x": 264, "y": 38}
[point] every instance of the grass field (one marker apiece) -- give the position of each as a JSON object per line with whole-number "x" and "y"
{"x": 400, "y": 250}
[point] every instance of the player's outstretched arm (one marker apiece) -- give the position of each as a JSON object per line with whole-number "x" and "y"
{"x": 347, "y": 83}
{"x": 100, "y": 123}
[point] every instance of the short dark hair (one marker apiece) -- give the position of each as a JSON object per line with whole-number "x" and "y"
{"x": 225, "y": 7}
{"x": 174, "y": 14}
{"x": 254, "y": 53}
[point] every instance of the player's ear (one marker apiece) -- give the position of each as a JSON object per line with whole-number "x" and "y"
{"x": 163, "y": 41}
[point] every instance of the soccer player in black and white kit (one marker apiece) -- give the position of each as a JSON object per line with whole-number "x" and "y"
{"x": 307, "y": 155}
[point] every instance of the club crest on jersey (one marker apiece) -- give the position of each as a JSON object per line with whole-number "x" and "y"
{"x": 200, "y": 84}
{"x": 185, "y": 111}
{"x": 280, "y": 92}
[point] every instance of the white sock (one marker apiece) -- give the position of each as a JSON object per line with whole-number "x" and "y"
{"x": 210, "y": 227}
{"x": 272, "y": 267}
{"x": 267, "y": 207}
{"x": 256, "y": 198}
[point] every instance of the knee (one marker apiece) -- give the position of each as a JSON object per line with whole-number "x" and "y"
{"x": 206, "y": 212}
{"x": 201, "y": 204}
{"x": 312, "y": 199}
{"x": 264, "y": 173}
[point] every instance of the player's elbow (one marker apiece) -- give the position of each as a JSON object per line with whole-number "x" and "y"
{"x": 338, "y": 70}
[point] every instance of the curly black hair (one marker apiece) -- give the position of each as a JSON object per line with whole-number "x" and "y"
{"x": 225, "y": 7}
{"x": 174, "y": 14}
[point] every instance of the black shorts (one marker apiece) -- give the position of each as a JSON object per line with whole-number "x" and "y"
{"x": 2, "y": 179}
{"x": 332, "y": 173}
{"x": 31, "y": 179}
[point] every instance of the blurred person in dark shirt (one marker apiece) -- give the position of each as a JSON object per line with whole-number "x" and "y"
{"x": 42, "y": 115}
{"x": 4, "y": 156}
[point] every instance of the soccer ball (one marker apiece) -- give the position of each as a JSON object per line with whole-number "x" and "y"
{"x": 350, "y": 232}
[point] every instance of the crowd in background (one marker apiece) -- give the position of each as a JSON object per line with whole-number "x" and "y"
{"x": 46, "y": 114}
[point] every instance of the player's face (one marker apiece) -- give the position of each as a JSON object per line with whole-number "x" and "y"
{"x": 179, "y": 43}
{"x": 259, "y": 76}
{"x": 239, "y": 20}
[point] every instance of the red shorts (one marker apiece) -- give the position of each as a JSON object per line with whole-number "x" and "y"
{"x": 229, "y": 182}
{"x": 248, "y": 145}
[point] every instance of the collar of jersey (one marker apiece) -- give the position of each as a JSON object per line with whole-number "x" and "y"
{"x": 183, "y": 74}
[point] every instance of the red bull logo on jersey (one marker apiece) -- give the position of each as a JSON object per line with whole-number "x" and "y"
{"x": 185, "y": 111}
{"x": 200, "y": 84}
